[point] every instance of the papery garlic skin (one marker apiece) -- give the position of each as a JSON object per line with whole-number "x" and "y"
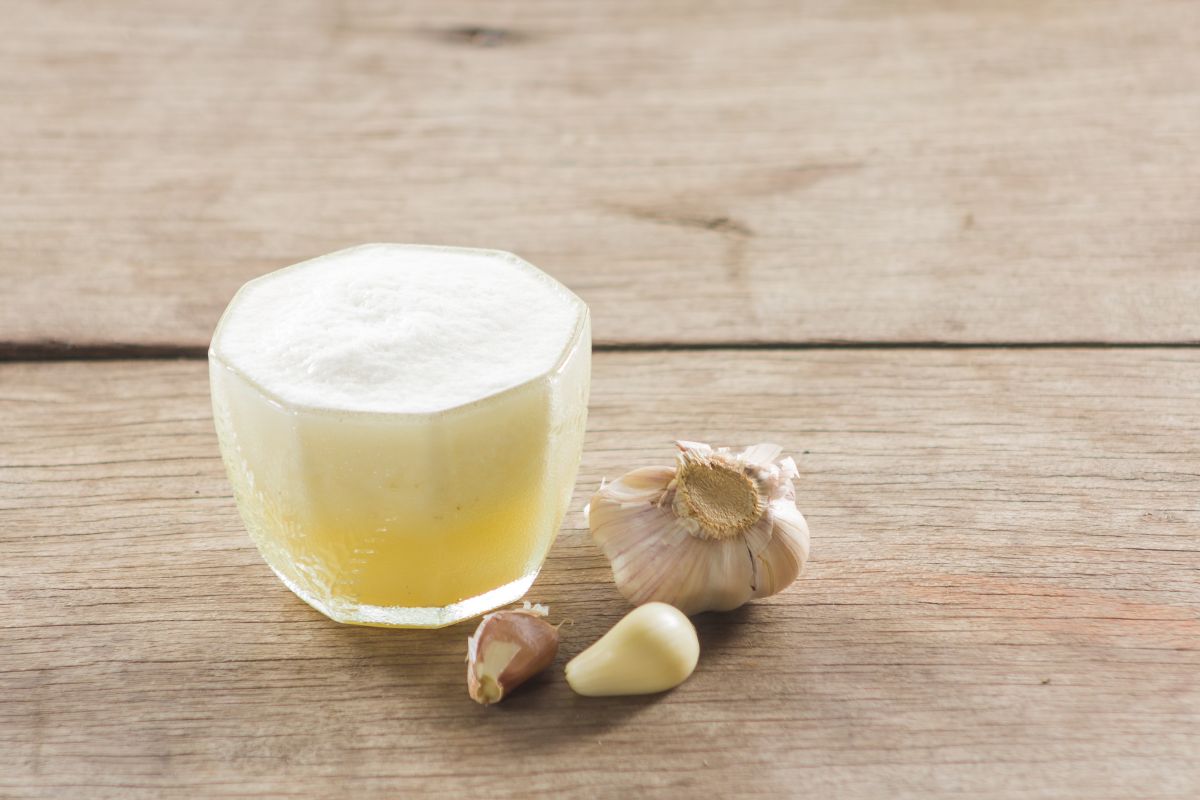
{"x": 652, "y": 649}
{"x": 710, "y": 534}
{"x": 507, "y": 649}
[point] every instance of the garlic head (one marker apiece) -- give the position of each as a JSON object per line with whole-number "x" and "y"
{"x": 717, "y": 530}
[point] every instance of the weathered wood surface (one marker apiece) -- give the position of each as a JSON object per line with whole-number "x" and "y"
{"x": 778, "y": 171}
{"x": 1004, "y": 598}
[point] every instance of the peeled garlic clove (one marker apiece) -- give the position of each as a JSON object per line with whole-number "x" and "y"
{"x": 714, "y": 532}
{"x": 507, "y": 649}
{"x": 652, "y": 649}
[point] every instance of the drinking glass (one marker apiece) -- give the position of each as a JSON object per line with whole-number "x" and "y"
{"x": 406, "y": 519}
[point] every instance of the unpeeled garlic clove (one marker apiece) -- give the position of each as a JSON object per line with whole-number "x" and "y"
{"x": 507, "y": 649}
{"x": 652, "y": 649}
{"x": 713, "y": 532}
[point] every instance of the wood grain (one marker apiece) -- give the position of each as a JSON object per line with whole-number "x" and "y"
{"x": 768, "y": 171}
{"x": 1003, "y": 601}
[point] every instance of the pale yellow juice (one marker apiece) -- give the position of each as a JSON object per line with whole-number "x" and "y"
{"x": 421, "y": 516}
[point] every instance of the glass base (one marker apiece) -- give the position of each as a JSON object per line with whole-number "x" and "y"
{"x": 415, "y": 617}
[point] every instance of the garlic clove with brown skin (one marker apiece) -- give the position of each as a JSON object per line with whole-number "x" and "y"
{"x": 712, "y": 533}
{"x": 507, "y": 649}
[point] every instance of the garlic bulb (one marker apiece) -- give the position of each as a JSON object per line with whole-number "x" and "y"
{"x": 711, "y": 533}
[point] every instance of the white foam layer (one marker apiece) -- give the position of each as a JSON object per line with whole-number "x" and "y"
{"x": 400, "y": 328}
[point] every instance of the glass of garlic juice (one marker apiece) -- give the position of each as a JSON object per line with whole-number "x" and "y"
{"x": 402, "y": 426}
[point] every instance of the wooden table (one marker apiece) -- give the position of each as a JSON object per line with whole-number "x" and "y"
{"x": 947, "y": 254}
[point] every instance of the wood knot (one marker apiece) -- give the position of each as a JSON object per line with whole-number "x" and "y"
{"x": 480, "y": 36}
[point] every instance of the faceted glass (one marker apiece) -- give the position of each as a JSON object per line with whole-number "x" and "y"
{"x": 405, "y": 519}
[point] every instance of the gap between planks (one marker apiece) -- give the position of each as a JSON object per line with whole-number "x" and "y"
{"x": 63, "y": 351}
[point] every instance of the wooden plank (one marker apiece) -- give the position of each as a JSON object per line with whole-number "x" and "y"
{"x": 768, "y": 171}
{"x": 1003, "y": 601}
